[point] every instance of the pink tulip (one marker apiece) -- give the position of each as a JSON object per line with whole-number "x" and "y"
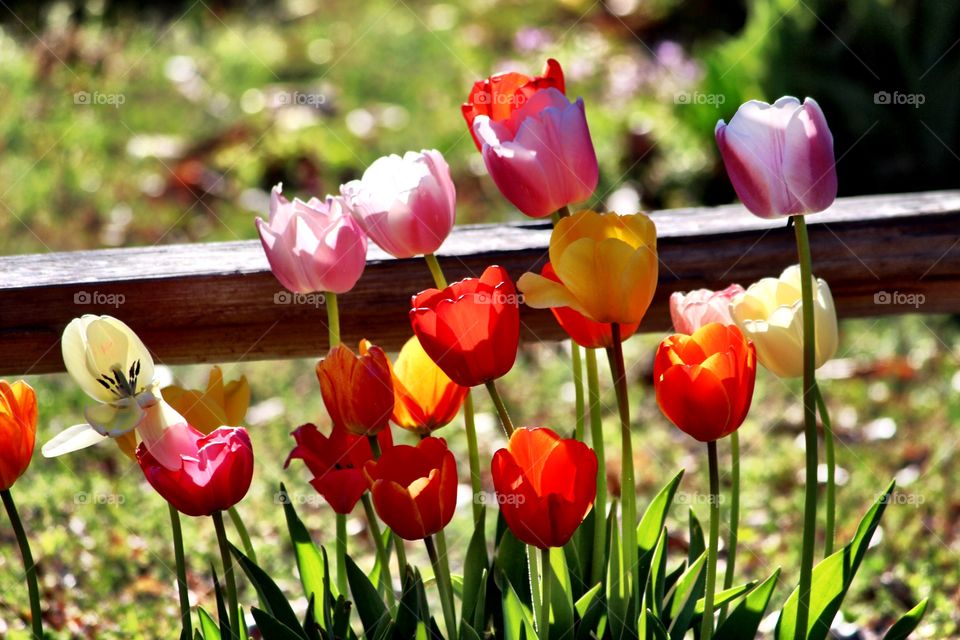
{"x": 690, "y": 311}
{"x": 779, "y": 157}
{"x": 541, "y": 157}
{"x": 406, "y": 205}
{"x": 312, "y": 246}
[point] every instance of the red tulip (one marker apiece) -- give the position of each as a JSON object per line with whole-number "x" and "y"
{"x": 215, "y": 470}
{"x": 704, "y": 382}
{"x": 336, "y": 462}
{"x": 503, "y": 93}
{"x": 471, "y": 329}
{"x": 414, "y": 488}
{"x": 357, "y": 391}
{"x": 18, "y": 430}
{"x": 581, "y": 329}
{"x": 545, "y": 485}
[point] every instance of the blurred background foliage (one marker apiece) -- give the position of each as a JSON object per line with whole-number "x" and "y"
{"x": 128, "y": 123}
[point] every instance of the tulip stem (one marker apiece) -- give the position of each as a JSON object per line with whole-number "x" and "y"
{"x": 629, "y": 568}
{"x": 831, "y": 475}
{"x": 733, "y": 536}
{"x": 333, "y": 319}
{"x": 444, "y": 587}
{"x": 810, "y": 427}
{"x": 596, "y": 439}
{"x": 535, "y": 602}
{"x": 501, "y": 408}
{"x": 562, "y": 212}
{"x": 544, "y": 630}
{"x": 228, "y": 575}
{"x": 434, "y": 265}
{"x": 386, "y": 581}
{"x": 342, "y": 553}
{"x": 29, "y": 567}
{"x": 706, "y": 628}
{"x": 580, "y": 402}
{"x": 476, "y": 482}
{"x": 243, "y": 533}
{"x": 181, "y": 571}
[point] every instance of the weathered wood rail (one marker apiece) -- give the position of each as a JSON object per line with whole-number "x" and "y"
{"x": 218, "y": 302}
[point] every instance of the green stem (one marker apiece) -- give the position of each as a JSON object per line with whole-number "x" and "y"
{"x": 243, "y": 533}
{"x": 181, "y": 571}
{"x": 441, "y": 540}
{"x": 577, "y": 363}
{"x": 444, "y": 587}
{"x": 401, "y": 556}
{"x": 228, "y": 576}
{"x": 29, "y": 568}
{"x": 342, "y": 554}
{"x": 706, "y": 627}
{"x": 476, "y": 482}
{"x": 809, "y": 426}
{"x": 501, "y": 408}
{"x": 831, "y": 475}
{"x": 597, "y": 567}
{"x": 534, "y": 575}
{"x": 547, "y": 580}
{"x": 386, "y": 581}
{"x": 434, "y": 265}
{"x": 562, "y": 212}
{"x": 734, "y": 516}
{"x": 628, "y": 496}
{"x": 333, "y": 319}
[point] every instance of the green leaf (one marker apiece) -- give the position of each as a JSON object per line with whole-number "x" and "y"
{"x": 697, "y": 541}
{"x": 310, "y": 562}
{"x": 617, "y": 596}
{"x": 222, "y": 613}
{"x": 589, "y": 609}
{"x": 370, "y": 607}
{"x": 684, "y": 600}
{"x": 903, "y": 627}
{"x": 466, "y": 632}
{"x": 311, "y": 627}
{"x": 511, "y": 564}
{"x": 725, "y": 596}
{"x": 831, "y": 579}
{"x": 209, "y": 627}
{"x": 561, "y": 594}
{"x": 658, "y": 570}
{"x": 517, "y": 618}
{"x": 341, "y": 618}
{"x": 480, "y": 613}
{"x": 271, "y": 597}
{"x": 272, "y": 628}
{"x": 408, "y": 611}
{"x": 651, "y": 524}
{"x": 654, "y": 627}
{"x": 745, "y": 618}
{"x": 475, "y": 565}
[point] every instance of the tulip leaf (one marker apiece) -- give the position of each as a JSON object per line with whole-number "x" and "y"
{"x": 340, "y": 618}
{"x": 271, "y": 597}
{"x": 517, "y": 619}
{"x": 330, "y": 599}
{"x": 409, "y": 610}
{"x": 909, "y": 621}
{"x": 475, "y": 565}
{"x": 697, "y": 541}
{"x": 832, "y": 578}
{"x": 617, "y": 595}
{"x": 656, "y": 588}
{"x": 511, "y": 564}
{"x": 310, "y": 626}
{"x": 209, "y": 627}
{"x": 651, "y": 525}
{"x": 746, "y": 617}
{"x": 370, "y": 607}
{"x": 480, "y": 607}
{"x": 272, "y": 628}
{"x": 589, "y": 609}
{"x": 650, "y": 626}
{"x": 310, "y": 562}
{"x": 561, "y": 600}
{"x": 684, "y": 598}
{"x": 725, "y": 596}
{"x": 222, "y": 614}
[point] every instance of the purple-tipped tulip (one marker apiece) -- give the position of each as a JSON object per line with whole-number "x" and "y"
{"x": 541, "y": 157}
{"x": 779, "y": 157}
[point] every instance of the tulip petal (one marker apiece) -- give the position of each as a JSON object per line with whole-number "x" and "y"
{"x": 79, "y": 436}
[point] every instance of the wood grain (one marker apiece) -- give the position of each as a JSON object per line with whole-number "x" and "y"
{"x": 218, "y": 302}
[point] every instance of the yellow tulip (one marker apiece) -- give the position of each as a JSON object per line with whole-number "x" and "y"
{"x": 770, "y": 313}
{"x": 606, "y": 264}
{"x": 219, "y": 405}
{"x": 425, "y": 397}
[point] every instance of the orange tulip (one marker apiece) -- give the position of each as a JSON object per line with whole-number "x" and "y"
{"x": 425, "y": 398}
{"x": 357, "y": 391}
{"x": 704, "y": 382}
{"x": 18, "y": 430}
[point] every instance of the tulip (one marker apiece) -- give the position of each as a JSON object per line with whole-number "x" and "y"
{"x": 545, "y": 485}
{"x": 581, "y": 329}
{"x": 704, "y": 381}
{"x": 425, "y": 397}
{"x": 779, "y": 157}
{"x": 217, "y": 406}
{"x": 406, "y": 205}
{"x": 471, "y": 329}
{"x": 214, "y": 473}
{"x": 541, "y": 157}
{"x": 357, "y": 391}
{"x": 414, "y": 489}
{"x": 336, "y": 462}
{"x": 501, "y": 94}
{"x": 606, "y": 265}
{"x": 313, "y": 246}
{"x": 18, "y": 430}
{"x": 770, "y": 314}
{"x": 694, "y": 309}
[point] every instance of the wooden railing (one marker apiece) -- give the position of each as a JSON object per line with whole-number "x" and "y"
{"x": 218, "y": 302}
